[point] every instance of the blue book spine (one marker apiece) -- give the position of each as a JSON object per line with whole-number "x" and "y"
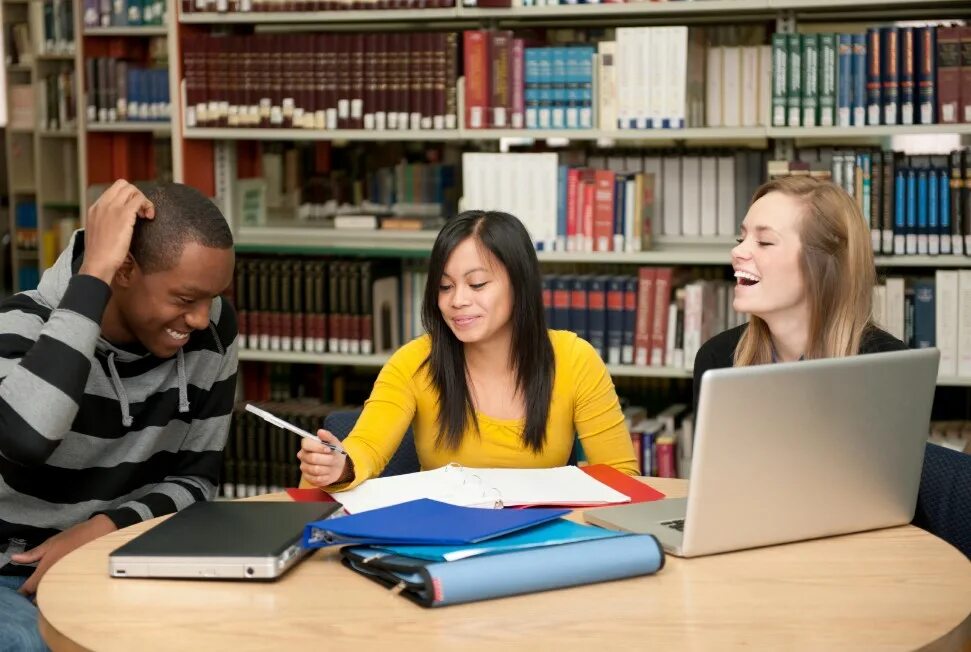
{"x": 615, "y": 318}
{"x": 844, "y": 83}
{"x": 926, "y": 73}
{"x": 933, "y": 211}
{"x": 924, "y": 327}
{"x": 907, "y": 76}
{"x": 911, "y": 211}
{"x": 859, "y": 80}
{"x": 559, "y": 76}
{"x": 630, "y": 320}
{"x": 531, "y": 83}
{"x": 578, "y": 307}
{"x": 900, "y": 212}
{"x": 597, "y": 315}
{"x": 890, "y": 73}
{"x": 874, "y": 102}
{"x": 561, "y": 303}
{"x": 923, "y": 203}
{"x": 944, "y": 223}
{"x": 585, "y": 85}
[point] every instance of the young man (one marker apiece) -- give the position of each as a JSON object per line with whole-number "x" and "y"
{"x": 117, "y": 381}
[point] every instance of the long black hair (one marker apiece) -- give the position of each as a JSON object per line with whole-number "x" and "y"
{"x": 531, "y": 354}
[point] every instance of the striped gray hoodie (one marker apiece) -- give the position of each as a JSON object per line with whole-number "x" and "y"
{"x": 87, "y": 427}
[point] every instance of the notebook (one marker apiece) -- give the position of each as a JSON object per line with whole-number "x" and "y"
{"x": 490, "y": 488}
{"x": 424, "y": 521}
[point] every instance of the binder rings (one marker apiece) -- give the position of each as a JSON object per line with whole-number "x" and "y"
{"x": 424, "y": 522}
{"x": 440, "y": 584}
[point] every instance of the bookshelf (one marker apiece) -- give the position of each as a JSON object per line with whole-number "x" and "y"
{"x": 42, "y": 135}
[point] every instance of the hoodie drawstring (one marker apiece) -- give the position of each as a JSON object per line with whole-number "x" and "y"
{"x": 183, "y": 389}
{"x": 126, "y": 419}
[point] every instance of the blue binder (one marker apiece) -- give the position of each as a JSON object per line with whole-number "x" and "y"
{"x": 424, "y": 522}
{"x": 440, "y": 584}
{"x": 556, "y": 532}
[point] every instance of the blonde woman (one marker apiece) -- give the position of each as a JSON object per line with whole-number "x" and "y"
{"x": 804, "y": 274}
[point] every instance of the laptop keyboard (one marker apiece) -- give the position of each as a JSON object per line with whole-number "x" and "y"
{"x": 676, "y": 524}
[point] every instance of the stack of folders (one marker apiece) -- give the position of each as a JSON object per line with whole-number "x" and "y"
{"x": 438, "y": 554}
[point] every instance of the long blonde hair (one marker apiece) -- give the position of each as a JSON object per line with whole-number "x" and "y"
{"x": 837, "y": 265}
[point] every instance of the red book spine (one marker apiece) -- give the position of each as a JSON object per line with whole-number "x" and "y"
{"x": 500, "y": 101}
{"x": 572, "y": 186}
{"x": 659, "y": 327}
{"x": 371, "y": 80}
{"x": 589, "y": 185}
{"x": 645, "y": 315}
{"x": 965, "y": 101}
{"x": 603, "y": 211}
{"x": 476, "y": 80}
{"x": 357, "y": 81}
{"x": 664, "y": 455}
{"x": 948, "y": 73}
{"x": 518, "y": 118}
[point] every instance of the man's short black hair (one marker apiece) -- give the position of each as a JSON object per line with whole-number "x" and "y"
{"x": 182, "y": 215}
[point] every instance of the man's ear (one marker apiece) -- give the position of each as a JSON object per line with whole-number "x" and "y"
{"x": 127, "y": 273}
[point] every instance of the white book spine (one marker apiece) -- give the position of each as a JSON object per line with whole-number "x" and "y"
{"x": 880, "y": 306}
{"x": 691, "y": 196}
{"x": 713, "y": 87}
{"x": 726, "y": 195}
{"x": 895, "y": 307}
{"x": 765, "y": 85}
{"x": 672, "y": 195}
{"x": 693, "y": 308}
{"x": 679, "y": 72}
{"x": 946, "y": 321}
{"x": 732, "y": 87}
{"x": 964, "y": 323}
{"x": 709, "y": 195}
{"x": 750, "y": 86}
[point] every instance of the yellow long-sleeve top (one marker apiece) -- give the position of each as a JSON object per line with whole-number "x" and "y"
{"x": 583, "y": 402}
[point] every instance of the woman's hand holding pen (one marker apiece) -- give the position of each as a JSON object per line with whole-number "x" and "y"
{"x": 319, "y": 464}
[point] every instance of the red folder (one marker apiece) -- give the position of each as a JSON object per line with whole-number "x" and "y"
{"x": 625, "y": 484}
{"x": 310, "y": 495}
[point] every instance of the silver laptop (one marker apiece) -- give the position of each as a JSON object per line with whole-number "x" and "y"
{"x": 794, "y": 451}
{"x": 221, "y": 540}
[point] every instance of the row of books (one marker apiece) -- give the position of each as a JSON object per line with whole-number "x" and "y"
{"x": 656, "y": 318}
{"x": 574, "y": 202}
{"x": 260, "y": 458}
{"x": 663, "y": 442}
{"x": 122, "y": 13}
{"x": 56, "y": 101}
{"x": 886, "y": 76}
{"x": 383, "y": 81}
{"x": 58, "y": 22}
{"x": 118, "y": 91}
{"x": 930, "y": 311}
{"x": 25, "y": 218}
{"x": 915, "y": 205}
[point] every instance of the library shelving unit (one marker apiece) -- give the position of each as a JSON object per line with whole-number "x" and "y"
{"x": 42, "y": 135}
{"x": 134, "y": 145}
{"x": 206, "y": 152}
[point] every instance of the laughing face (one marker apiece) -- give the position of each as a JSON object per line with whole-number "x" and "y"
{"x": 161, "y": 309}
{"x": 768, "y": 275}
{"x": 474, "y": 295}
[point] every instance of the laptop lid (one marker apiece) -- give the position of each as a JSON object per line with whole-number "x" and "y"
{"x": 794, "y": 451}
{"x": 221, "y": 539}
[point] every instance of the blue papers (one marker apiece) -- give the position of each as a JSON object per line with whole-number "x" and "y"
{"x": 553, "y": 533}
{"x": 424, "y": 522}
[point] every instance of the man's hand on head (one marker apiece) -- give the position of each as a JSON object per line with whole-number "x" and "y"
{"x": 109, "y": 226}
{"x": 59, "y": 545}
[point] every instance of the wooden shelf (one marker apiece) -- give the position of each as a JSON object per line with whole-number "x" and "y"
{"x": 923, "y": 261}
{"x": 55, "y": 56}
{"x": 132, "y": 30}
{"x": 712, "y": 134}
{"x": 709, "y": 10}
{"x": 132, "y": 126}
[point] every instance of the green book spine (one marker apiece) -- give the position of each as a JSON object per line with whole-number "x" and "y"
{"x": 780, "y": 60}
{"x": 827, "y": 80}
{"x": 810, "y": 79}
{"x": 794, "y": 90}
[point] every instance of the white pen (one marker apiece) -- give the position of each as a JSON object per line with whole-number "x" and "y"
{"x": 277, "y": 421}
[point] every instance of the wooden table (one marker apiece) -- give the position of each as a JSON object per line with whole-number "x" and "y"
{"x": 893, "y": 589}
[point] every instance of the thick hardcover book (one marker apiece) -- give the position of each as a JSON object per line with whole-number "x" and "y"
{"x": 948, "y": 74}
